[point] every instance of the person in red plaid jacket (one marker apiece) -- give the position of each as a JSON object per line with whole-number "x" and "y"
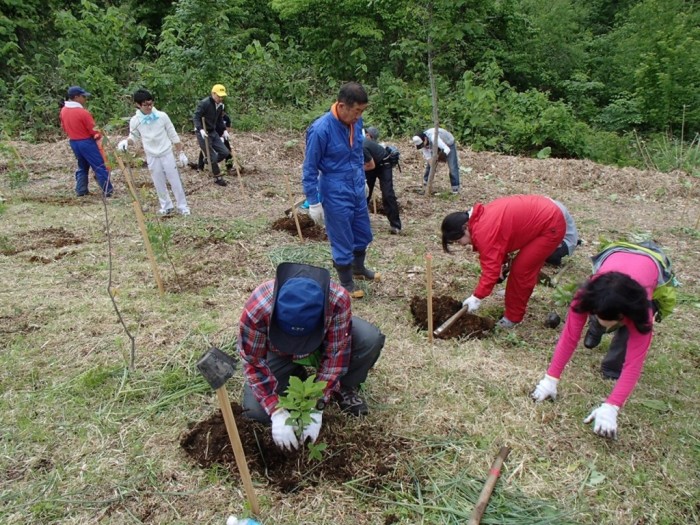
{"x": 299, "y": 314}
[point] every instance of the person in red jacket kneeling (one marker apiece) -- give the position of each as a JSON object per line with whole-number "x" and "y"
{"x": 532, "y": 225}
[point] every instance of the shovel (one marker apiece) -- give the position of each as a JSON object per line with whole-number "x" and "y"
{"x": 217, "y": 367}
{"x": 444, "y": 326}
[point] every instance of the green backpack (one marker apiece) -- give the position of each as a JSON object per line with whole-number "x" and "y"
{"x": 664, "y": 297}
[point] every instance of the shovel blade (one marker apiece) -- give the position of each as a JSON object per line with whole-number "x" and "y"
{"x": 216, "y": 367}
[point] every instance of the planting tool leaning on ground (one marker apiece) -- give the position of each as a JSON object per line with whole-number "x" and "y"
{"x": 217, "y": 367}
{"x": 206, "y": 141}
{"x": 489, "y": 485}
{"x": 447, "y": 324}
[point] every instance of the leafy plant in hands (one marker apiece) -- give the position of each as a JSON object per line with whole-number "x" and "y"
{"x": 300, "y": 400}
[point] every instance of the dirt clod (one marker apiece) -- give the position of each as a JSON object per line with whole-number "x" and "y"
{"x": 309, "y": 229}
{"x": 552, "y": 320}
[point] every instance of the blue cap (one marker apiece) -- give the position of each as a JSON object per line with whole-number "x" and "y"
{"x": 298, "y": 312}
{"x": 76, "y": 91}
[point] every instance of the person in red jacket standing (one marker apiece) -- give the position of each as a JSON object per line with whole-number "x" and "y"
{"x": 85, "y": 141}
{"x": 532, "y": 225}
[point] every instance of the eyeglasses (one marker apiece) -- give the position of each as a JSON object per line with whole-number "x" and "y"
{"x": 147, "y": 104}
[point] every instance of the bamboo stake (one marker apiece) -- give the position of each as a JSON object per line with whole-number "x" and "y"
{"x": 237, "y": 446}
{"x": 489, "y": 485}
{"x": 238, "y": 172}
{"x": 141, "y": 220}
{"x": 206, "y": 143}
{"x": 294, "y": 207}
{"x": 429, "y": 277}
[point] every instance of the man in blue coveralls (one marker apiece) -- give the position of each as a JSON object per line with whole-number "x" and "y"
{"x": 333, "y": 177}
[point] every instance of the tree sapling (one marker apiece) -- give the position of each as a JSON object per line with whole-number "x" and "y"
{"x": 300, "y": 400}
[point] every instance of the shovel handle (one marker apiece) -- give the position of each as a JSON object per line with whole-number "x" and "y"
{"x": 206, "y": 143}
{"x": 444, "y": 326}
{"x": 237, "y": 446}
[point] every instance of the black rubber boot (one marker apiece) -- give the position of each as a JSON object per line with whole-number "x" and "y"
{"x": 594, "y": 333}
{"x": 359, "y": 269}
{"x": 611, "y": 367}
{"x": 346, "y": 280}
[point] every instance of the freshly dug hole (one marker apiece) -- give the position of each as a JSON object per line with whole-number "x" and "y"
{"x": 309, "y": 229}
{"x": 468, "y": 325}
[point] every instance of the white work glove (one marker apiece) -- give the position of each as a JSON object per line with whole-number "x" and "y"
{"x": 123, "y": 145}
{"x": 203, "y": 133}
{"x": 473, "y": 302}
{"x": 283, "y": 434}
{"x": 182, "y": 159}
{"x": 226, "y": 135}
{"x": 605, "y": 420}
{"x": 316, "y": 213}
{"x": 313, "y": 428}
{"x": 447, "y": 150}
{"x": 545, "y": 389}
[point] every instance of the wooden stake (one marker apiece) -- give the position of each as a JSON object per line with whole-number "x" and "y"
{"x": 374, "y": 202}
{"x": 141, "y": 220}
{"x": 238, "y": 172}
{"x": 429, "y": 277}
{"x": 237, "y": 446}
{"x": 489, "y": 485}
{"x": 294, "y": 207}
{"x": 206, "y": 143}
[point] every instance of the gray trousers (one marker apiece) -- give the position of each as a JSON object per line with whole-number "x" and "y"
{"x": 217, "y": 150}
{"x": 366, "y": 345}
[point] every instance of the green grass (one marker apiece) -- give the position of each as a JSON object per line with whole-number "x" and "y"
{"x": 84, "y": 439}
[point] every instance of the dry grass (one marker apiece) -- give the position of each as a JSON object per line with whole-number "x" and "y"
{"x": 84, "y": 441}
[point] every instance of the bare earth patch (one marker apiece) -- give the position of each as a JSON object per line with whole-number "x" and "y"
{"x": 144, "y": 444}
{"x": 354, "y": 450}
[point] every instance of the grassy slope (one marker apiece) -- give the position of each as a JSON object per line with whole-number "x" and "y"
{"x": 83, "y": 440}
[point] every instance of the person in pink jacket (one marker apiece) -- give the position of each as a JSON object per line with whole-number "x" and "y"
{"x": 532, "y": 225}
{"x": 617, "y": 296}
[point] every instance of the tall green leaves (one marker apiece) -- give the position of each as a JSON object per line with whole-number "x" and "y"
{"x": 653, "y": 64}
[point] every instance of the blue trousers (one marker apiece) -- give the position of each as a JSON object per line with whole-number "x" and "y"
{"x": 366, "y": 345}
{"x": 346, "y": 213}
{"x": 89, "y": 156}
{"x": 452, "y": 164}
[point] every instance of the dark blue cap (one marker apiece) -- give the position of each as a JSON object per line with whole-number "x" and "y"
{"x": 76, "y": 91}
{"x": 298, "y": 312}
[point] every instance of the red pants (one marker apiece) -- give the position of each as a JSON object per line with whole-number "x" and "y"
{"x": 526, "y": 267}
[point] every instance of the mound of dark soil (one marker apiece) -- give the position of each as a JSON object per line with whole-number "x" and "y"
{"x": 356, "y": 449}
{"x": 309, "y": 229}
{"x": 468, "y": 325}
{"x": 40, "y": 239}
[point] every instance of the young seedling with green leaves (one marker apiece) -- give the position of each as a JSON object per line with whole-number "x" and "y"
{"x": 300, "y": 400}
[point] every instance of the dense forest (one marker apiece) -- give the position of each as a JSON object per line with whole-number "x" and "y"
{"x": 616, "y": 81}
